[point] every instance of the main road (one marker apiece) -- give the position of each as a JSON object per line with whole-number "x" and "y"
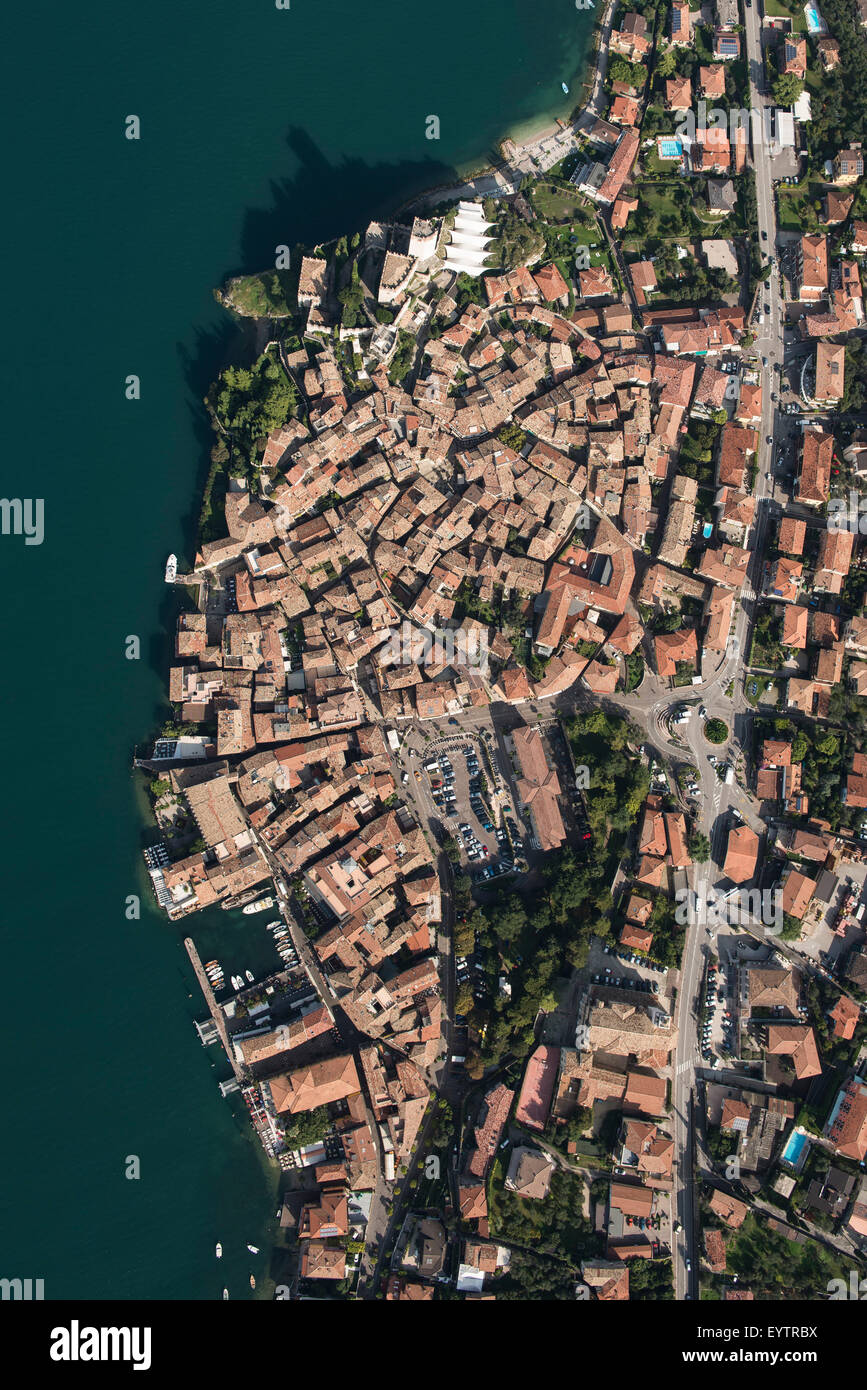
{"x": 715, "y": 795}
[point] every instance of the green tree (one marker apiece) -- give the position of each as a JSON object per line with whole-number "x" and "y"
{"x": 463, "y": 999}
{"x": 402, "y": 359}
{"x": 699, "y": 847}
{"x": 512, "y": 436}
{"x": 451, "y": 848}
{"x": 666, "y": 63}
{"x": 307, "y": 1128}
{"x": 252, "y": 401}
{"x": 787, "y": 89}
{"x": 716, "y": 731}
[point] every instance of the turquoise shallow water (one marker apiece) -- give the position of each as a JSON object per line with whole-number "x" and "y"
{"x": 258, "y": 127}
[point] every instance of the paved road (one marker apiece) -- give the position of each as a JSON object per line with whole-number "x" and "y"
{"x": 716, "y": 797}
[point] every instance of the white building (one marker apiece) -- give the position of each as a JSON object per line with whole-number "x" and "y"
{"x": 468, "y": 246}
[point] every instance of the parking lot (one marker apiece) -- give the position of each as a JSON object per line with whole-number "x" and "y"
{"x": 718, "y": 1027}
{"x": 472, "y": 799}
{"x": 472, "y": 971}
{"x": 622, "y": 969}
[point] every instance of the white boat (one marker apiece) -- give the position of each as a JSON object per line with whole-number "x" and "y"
{"x": 259, "y": 906}
{"x": 250, "y": 976}
{"x": 278, "y": 922}
{"x": 225, "y": 1294}
{"x": 565, "y": 88}
{"x": 254, "y": 1249}
{"x": 252, "y": 1281}
{"x": 171, "y": 569}
{"x": 218, "y": 1251}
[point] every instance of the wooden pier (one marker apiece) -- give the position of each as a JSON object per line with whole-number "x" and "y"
{"x": 216, "y": 1011}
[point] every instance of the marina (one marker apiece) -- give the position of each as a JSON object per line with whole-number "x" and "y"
{"x": 210, "y": 1000}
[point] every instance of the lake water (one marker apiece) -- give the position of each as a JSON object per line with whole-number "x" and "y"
{"x": 258, "y": 127}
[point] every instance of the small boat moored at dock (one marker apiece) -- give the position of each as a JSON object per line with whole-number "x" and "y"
{"x": 171, "y": 569}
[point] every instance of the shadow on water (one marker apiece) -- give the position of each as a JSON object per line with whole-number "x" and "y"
{"x": 323, "y": 200}
{"x": 319, "y": 202}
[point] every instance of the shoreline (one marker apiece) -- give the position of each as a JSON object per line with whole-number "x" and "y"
{"x": 525, "y": 133}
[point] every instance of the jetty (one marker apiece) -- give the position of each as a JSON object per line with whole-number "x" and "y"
{"x": 211, "y": 1001}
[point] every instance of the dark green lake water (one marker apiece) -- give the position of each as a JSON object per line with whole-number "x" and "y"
{"x": 259, "y": 127}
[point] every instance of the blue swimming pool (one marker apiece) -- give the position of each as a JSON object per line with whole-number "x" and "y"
{"x": 707, "y": 530}
{"x": 815, "y": 22}
{"x": 794, "y": 1148}
{"x": 669, "y": 148}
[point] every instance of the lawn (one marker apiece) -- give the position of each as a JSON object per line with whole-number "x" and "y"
{"x": 658, "y": 199}
{"x": 796, "y": 211}
{"x": 560, "y": 204}
{"x": 778, "y": 9}
{"x": 654, "y": 165}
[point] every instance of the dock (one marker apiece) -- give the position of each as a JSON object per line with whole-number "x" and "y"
{"x": 210, "y": 1000}
{"x": 207, "y": 1032}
